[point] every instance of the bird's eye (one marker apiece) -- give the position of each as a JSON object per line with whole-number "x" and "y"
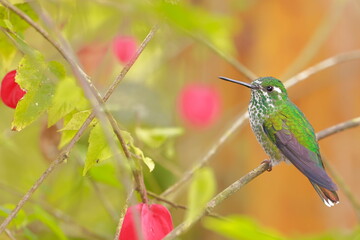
{"x": 269, "y": 88}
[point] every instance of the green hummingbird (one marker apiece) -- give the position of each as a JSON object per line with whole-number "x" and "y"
{"x": 286, "y": 135}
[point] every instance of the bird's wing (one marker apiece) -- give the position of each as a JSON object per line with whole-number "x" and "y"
{"x": 308, "y": 162}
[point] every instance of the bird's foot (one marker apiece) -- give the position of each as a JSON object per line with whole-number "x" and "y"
{"x": 269, "y": 163}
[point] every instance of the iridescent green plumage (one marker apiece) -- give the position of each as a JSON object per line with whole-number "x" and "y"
{"x": 286, "y": 135}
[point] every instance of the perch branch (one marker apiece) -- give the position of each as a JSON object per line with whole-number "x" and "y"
{"x": 327, "y": 63}
{"x": 233, "y": 188}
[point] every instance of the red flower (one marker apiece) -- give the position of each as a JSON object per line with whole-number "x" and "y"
{"x": 154, "y": 220}
{"x": 124, "y": 48}
{"x": 11, "y": 92}
{"x": 199, "y": 104}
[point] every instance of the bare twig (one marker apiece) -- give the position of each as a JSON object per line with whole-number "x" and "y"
{"x": 9, "y": 234}
{"x": 187, "y": 175}
{"x": 327, "y": 63}
{"x": 54, "y": 212}
{"x": 236, "y": 64}
{"x": 183, "y": 227}
{"x": 338, "y": 128}
{"x": 318, "y": 38}
{"x": 219, "y": 198}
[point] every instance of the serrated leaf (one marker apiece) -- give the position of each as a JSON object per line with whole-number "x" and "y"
{"x": 201, "y": 190}
{"x": 68, "y": 97}
{"x": 240, "y": 227}
{"x": 155, "y": 137}
{"x": 98, "y": 149}
{"x": 47, "y": 219}
{"x": 34, "y": 76}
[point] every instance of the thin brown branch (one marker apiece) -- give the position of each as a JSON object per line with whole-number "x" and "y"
{"x": 317, "y": 39}
{"x": 54, "y": 212}
{"x": 327, "y": 63}
{"x": 187, "y": 175}
{"x": 9, "y": 234}
{"x": 338, "y": 128}
{"x": 89, "y": 91}
{"x": 219, "y": 198}
{"x": 236, "y": 64}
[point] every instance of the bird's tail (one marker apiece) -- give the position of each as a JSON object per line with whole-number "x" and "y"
{"x": 329, "y": 197}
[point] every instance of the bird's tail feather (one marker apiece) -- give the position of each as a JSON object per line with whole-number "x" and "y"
{"x": 329, "y": 197}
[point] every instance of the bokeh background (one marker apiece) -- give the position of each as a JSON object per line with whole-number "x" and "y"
{"x": 272, "y": 38}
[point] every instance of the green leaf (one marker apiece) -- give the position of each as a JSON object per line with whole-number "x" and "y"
{"x": 240, "y": 227}
{"x": 34, "y": 76}
{"x": 129, "y": 140}
{"x": 68, "y": 97}
{"x": 155, "y": 137}
{"x": 98, "y": 149}
{"x": 48, "y": 220}
{"x": 76, "y": 120}
{"x": 201, "y": 190}
{"x": 105, "y": 173}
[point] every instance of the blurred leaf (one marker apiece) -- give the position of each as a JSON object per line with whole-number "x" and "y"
{"x": 155, "y": 137}
{"x": 17, "y": 24}
{"x": 7, "y": 52}
{"x": 34, "y": 76}
{"x": 21, "y": 218}
{"x": 30, "y": 235}
{"x": 105, "y": 173}
{"x": 68, "y": 97}
{"x": 98, "y": 149}
{"x": 201, "y": 190}
{"x": 240, "y": 227}
{"x": 129, "y": 140}
{"x": 48, "y": 220}
{"x": 211, "y": 27}
{"x": 76, "y": 120}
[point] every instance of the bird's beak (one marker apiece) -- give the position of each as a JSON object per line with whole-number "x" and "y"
{"x": 238, "y": 82}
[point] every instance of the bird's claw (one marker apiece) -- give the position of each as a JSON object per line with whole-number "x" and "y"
{"x": 269, "y": 163}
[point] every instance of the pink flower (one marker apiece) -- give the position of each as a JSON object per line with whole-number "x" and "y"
{"x": 124, "y": 48}
{"x": 11, "y": 92}
{"x": 199, "y": 104}
{"x": 154, "y": 220}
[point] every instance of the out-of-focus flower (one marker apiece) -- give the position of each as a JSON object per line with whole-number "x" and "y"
{"x": 11, "y": 92}
{"x": 154, "y": 222}
{"x": 199, "y": 104}
{"x": 124, "y": 48}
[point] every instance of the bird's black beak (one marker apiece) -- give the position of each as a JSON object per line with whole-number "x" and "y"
{"x": 248, "y": 85}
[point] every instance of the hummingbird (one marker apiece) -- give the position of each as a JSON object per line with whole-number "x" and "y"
{"x": 286, "y": 135}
